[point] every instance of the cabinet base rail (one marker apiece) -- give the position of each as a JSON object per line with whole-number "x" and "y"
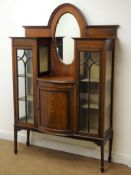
{"x": 99, "y": 141}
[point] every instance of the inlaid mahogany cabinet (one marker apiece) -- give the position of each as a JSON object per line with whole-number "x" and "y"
{"x": 63, "y": 79}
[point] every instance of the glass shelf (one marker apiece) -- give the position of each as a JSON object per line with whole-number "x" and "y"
{"x": 28, "y": 75}
{"x": 29, "y": 98}
{"x": 93, "y": 130}
{"x": 93, "y": 102}
{"x": 29, "y": 119}
{"x": 91, "y": 80}
{"x": 91, "y": 106}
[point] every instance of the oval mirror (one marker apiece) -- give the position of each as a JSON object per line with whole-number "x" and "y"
{"x": 67, "y": 28}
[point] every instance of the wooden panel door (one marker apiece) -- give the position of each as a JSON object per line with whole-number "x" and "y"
{"x": 55, "y": 114}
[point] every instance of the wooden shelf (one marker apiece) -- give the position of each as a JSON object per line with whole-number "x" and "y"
{"x": 57, "y": 79}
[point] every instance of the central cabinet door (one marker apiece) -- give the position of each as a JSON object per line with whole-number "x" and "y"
{"x": 56, "y": 110}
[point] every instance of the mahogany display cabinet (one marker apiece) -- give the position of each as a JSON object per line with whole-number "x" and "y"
{"x": 63, "y": 79}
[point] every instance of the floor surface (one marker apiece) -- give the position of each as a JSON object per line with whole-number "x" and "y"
{"x": 34, "y": 160}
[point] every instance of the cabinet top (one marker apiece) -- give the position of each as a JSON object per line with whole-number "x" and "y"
{"x": 57, "y": 79}
{"x": 100, "y": 31}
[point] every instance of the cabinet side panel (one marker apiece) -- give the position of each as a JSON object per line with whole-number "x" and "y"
{"x": 107, "y": 112}
{"x": 24, "y": 82}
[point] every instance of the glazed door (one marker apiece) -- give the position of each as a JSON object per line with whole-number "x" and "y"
{"x": 55, "y": 110}
{"x": 89, "y": 85}
{"x": 25, "y": 84}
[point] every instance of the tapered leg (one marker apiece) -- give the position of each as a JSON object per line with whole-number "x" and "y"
{"x": 102, "y": 156}
{"x": 110, "y": 150}
{"x": 28, "y": 138}
{"x": 15, "y": 140}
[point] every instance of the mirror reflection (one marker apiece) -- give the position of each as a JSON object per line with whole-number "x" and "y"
{"x": 67, "y": 28}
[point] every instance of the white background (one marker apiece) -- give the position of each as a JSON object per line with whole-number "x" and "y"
{"x": 16, "y": 13}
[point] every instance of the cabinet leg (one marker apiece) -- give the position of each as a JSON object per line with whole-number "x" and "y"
{"x": 110, "y": 150}
{"x": 15, "y": 140}
{"x": 102, "y": 156}
{"x": 28, "y": 138}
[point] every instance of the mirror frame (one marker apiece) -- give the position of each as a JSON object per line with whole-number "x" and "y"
{"x": 56, "y": 66}
{"x": 54, "y": 19}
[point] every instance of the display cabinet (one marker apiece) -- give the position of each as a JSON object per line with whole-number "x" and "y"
{"x": 63, "y": 79}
